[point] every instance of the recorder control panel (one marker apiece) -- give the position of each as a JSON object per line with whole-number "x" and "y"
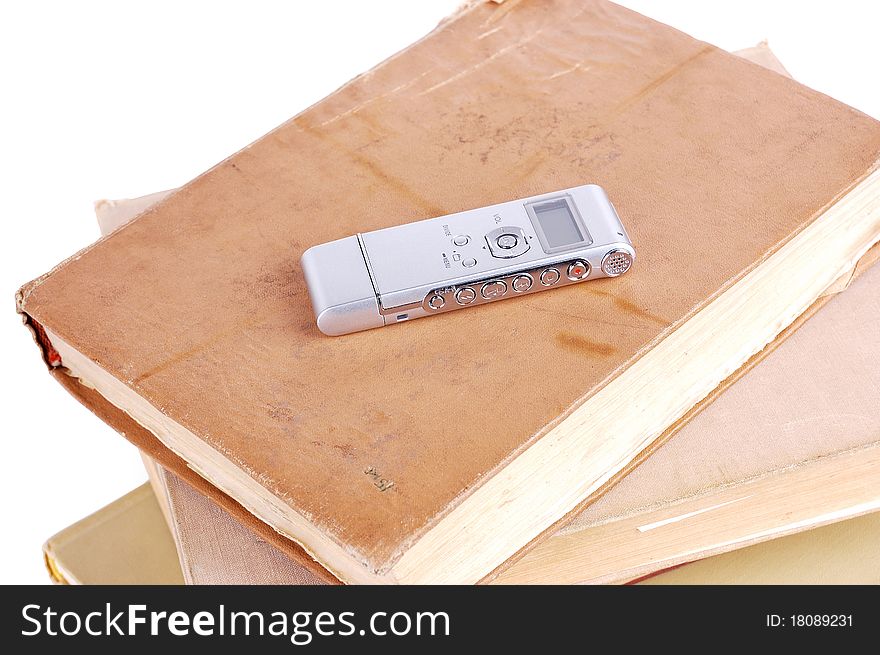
{"x": 519, "y": 283}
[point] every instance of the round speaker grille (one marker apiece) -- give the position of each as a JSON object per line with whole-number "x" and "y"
{"x": 616, "y": 262}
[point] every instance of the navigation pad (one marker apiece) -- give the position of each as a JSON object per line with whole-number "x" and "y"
{"x": 507, "y": 242}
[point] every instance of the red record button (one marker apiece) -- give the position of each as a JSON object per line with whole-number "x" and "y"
{"x": 578, "y": 270}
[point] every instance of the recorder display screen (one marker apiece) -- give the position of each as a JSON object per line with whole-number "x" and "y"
{"x": 558, "y": 224}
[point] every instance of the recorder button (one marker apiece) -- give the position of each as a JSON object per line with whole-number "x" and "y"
{"x": 522, "y": 283}
{"x": 465, "y": 296}
{"x": 616, "y": 262}
{"x": 507, "y": 241}
{"x": 436, "y": 301}
{"x": 578, "y": 270}
{"x": 467, "y": 263}
{"x": 549, "y": 277}
{"x": 494, "y": 289}
{"x": 461, "y": 240}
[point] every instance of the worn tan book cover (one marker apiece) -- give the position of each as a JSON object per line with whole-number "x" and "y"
{"x": 733, "y": 183}
{"x": 669, "y": 511}
{"x": 126, "y": 542}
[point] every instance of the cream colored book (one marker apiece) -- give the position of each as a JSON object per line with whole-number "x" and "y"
{"x": 126, "y": 542}
{"x": 744, "y": 471}
{"x": 843, "y": 553}
{"x": 840, "y": 553}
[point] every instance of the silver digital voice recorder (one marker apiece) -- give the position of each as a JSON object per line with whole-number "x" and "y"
{"x": 473, "y": 257}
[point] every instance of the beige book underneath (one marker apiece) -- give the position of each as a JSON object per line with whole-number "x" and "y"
{"x": 126, "y": 542}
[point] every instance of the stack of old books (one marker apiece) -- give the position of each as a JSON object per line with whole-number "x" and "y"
{"x": 722, "y": 394}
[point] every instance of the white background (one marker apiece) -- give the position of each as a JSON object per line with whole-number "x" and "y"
{"x": 117, "y": 99}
